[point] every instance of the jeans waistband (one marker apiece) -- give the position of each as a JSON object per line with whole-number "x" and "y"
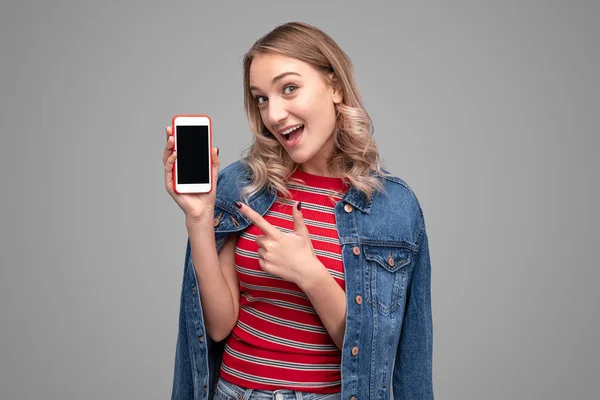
{"x": 233, "y": 391}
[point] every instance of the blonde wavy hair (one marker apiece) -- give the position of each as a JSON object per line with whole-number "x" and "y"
{"x": 355, "y": 158}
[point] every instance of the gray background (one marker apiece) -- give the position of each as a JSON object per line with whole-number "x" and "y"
{"x": 489, "y": 110}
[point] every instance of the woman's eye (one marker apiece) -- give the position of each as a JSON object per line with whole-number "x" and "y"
{"x": 263, "y": 99}
{"x": 289, "y": 86}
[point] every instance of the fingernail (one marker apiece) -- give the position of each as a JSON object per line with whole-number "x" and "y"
{"x": 217, "y": 151}
{"x": 238, "y": 204}
{"x": 299, "y": 206}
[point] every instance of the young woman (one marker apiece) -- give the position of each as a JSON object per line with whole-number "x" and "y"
{"x": 307, "y": 271}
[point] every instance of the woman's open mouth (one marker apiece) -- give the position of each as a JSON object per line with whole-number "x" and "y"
{"x": 293, "y": 137}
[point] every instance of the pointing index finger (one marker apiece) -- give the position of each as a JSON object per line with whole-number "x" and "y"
{"x": 258, "y": 220}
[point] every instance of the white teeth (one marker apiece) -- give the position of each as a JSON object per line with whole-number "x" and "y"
{"x": 287, "y": 131}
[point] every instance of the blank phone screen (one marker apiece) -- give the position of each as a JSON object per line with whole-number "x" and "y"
{"x": 192, "y": 154}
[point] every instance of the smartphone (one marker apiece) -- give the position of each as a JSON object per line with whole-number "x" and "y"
{"x": 192, "y": 172}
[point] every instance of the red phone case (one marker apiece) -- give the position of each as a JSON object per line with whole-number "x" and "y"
{"x": 209, "y": 154}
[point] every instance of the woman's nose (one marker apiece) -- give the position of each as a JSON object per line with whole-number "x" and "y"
{"x": 277, "y": 113}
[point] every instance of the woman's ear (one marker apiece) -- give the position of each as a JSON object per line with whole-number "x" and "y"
{"x": 336, "y": 95}
{"x": 336, "y": 90}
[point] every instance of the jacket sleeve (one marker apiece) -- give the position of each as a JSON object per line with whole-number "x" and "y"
{"x": 412, "y": 377}
{"x": 183, "y": 386}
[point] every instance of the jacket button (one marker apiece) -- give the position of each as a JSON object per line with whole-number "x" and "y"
{"x": 354, "y": 350}
{"x": 356, "y": 250}
{"x": 201, "y": 338}
{"x": 353, "y": 398}
{"x": 217, "y": 220}
{"x": 359, "y": 299}
{"x": 348, "y": 208}
{"x": 391, "y": 261}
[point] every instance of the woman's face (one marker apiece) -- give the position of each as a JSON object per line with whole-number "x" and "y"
{"x": 290, "y": 92}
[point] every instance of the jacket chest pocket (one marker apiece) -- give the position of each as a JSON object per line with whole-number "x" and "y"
{"x": 386, "y": 269}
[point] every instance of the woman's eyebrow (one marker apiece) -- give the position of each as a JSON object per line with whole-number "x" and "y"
{"x": 277, "y": 78}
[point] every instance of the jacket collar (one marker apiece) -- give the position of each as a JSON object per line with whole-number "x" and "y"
{"x": 262, "y": 201}
{"x": 358, "y": 200}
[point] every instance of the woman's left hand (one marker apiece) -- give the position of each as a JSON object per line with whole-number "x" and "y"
{"x": 290, "y": 256}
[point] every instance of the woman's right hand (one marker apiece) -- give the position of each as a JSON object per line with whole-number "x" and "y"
{"x": 197, "y": 207}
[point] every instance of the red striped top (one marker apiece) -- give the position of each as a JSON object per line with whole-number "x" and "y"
{"x": 279, "y": 342}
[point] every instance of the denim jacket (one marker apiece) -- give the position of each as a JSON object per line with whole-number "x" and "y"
{"x": 389, "y": 329}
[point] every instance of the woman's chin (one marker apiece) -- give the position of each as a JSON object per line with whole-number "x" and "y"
{"x": 299, "y": 157}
